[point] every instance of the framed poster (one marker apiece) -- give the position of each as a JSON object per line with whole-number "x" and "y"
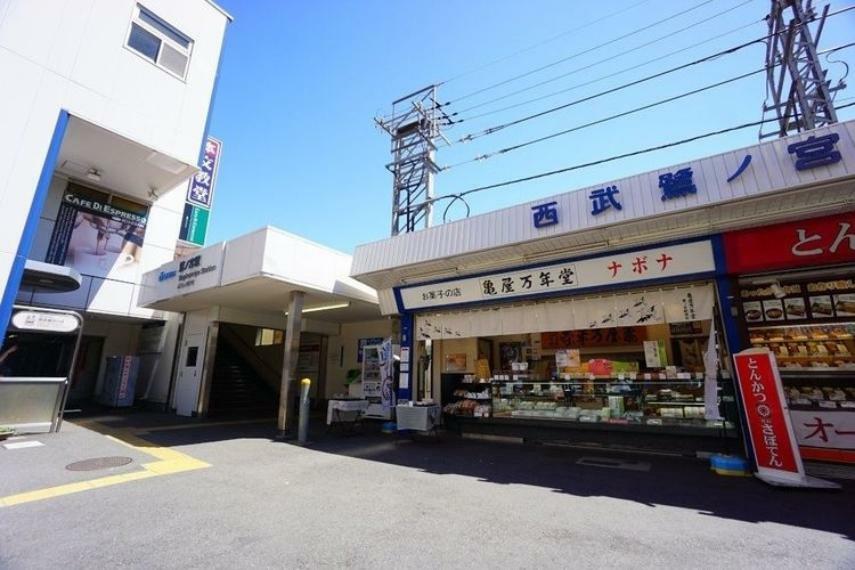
{"x": 455, "y": 362}
{"x": 363, "y": 342}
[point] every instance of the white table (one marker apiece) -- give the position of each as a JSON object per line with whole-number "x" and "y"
{"x": 354, "y": 408}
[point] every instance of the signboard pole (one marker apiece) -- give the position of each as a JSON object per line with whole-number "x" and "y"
{"x": 770, "y": 430}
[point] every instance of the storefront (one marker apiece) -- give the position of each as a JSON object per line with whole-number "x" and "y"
{"x": 798, "y": 300}
{"x": 624, "y": 342}
{"x": 614, "y": 309}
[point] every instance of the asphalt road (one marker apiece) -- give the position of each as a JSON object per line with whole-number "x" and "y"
{"x": 372, "y": 501}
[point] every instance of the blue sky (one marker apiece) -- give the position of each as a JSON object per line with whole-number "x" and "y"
{"x": 301, "y": 82}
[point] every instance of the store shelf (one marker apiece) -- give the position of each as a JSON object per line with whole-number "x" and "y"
{"x": 654, "y": 403}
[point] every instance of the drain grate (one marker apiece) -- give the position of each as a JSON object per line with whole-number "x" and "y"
{"x": 97, "y": 463}
{"x": 614, "y": 463}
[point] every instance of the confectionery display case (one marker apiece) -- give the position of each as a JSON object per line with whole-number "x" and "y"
{"x": 650, "y": 399}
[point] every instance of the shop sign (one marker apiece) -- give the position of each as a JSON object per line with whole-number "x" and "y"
{"x": 769, "y": 426}
{"x": 194, "y": 224}
{"x": 833, "y": 429}
{"x": 544, "y": 215}
{"x": 615, "y": 336}
{"x": 183, "y": 275}
{"x": 817, "y": 241}
{"x": 201, "y": 189}
{"x": 45, "y": 321}
{"x": 615, "y": 269}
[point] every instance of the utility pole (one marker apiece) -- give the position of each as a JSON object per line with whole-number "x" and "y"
{"x": 801, "y": 92}
{"x": 415, "y": 126}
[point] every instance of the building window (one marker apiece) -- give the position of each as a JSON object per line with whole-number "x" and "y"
{"x": 159, "y": 42}
{"x": 268, "y": 337}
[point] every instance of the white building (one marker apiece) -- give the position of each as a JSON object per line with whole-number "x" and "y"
{"x": 105, "y": 108}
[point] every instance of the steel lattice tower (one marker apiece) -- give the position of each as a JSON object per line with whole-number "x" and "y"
{"x": 414, "y": 125}
{"x": 800, "y": 90}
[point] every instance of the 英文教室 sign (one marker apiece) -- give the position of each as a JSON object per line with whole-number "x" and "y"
{"x": 614, "y": 269}
{"x": 201, "y": 189}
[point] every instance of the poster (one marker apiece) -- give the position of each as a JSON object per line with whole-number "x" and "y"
{"x": 569, "y": 358}
{"x": 654, "y": 354}
{"x": 455, "y": 362}
{"x": 98, "y": 238}
{"x": 363, "y": 342}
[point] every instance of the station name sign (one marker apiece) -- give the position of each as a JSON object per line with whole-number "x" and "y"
{"x": 614, "y": 269}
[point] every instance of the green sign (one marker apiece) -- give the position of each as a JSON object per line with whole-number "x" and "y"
{"x": 194, "y": 224}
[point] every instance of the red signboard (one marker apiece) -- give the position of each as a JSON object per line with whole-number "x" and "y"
{"x": 616, "y": 336}
{"x": 817, "y": 241}
{"x": 768, "y": 420}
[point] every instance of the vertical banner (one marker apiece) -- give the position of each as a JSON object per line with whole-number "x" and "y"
{"x": 200, "y": 197}
{"x": 194, "y": 225}
{"x": 201, "y": 190}
{"x": 98, "y": 238}
{"x": 387, "y": 375}
{"x": 768, "y": 419}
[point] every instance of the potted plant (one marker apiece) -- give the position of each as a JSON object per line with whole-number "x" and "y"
{"x": 352, "y": 376}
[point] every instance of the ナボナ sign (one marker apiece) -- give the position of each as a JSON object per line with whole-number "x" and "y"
{"x": 612, "y": 269}
{"x": 817, "y": 241}
{"x": 767, "y": 417}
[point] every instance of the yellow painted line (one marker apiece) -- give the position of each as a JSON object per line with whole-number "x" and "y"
{"x": 168, "y": 462}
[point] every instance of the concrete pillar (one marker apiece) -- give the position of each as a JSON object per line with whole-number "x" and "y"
{"x": 292, "y": 351}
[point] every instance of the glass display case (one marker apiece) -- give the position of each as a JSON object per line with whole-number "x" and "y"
{"x": 649, "y": 399}
{"x": 817, "y": 363}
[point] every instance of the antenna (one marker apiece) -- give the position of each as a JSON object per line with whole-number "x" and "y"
{"x": 414, "y": 125}
{"x": 801, "y": 94}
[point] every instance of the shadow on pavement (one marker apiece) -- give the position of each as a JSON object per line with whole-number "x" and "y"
{"x": 671, "y": 481}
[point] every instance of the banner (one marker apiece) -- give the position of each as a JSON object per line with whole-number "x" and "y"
{"x": 769, "y": 427}
{"x": 97, "y": 238}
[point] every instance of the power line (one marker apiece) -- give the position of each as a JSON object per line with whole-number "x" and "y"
{"x": 728, "y": 51}
{"x": 601, "y": 61}
{"x": 622, "y": 114}
{"x": 606, "y": 119}
{"x": 583, "y": 52}
{"x": 460, "y": 195}
{"x": 497, "y": 128}
{"x": 544, "y": 42}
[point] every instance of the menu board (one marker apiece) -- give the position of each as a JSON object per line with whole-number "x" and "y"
{"x": 798, "y": 301}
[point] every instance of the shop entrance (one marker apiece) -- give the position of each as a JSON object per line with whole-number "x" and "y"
{"x": 644, "y": 369}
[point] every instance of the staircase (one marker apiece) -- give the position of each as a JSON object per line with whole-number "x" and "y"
{"x": 237, "y": 390}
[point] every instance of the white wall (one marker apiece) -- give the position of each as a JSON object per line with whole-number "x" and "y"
{"x": 70, "y": 54}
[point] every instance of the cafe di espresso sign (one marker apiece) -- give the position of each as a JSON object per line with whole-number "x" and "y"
{"x": 615, "y": 269}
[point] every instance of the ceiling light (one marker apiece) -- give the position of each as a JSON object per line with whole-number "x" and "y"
{"x": 93, "y": 174}
{"x": 330, "y": 307}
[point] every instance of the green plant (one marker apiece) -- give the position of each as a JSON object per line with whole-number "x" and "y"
{"x": 352, "y": 376}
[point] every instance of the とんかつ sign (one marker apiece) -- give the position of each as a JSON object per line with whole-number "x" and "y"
{"x": 769, "y": 428}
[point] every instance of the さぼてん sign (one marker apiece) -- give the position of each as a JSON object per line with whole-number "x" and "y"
{"x": 767, "y": 417}
{"x": 613, "y": 269}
